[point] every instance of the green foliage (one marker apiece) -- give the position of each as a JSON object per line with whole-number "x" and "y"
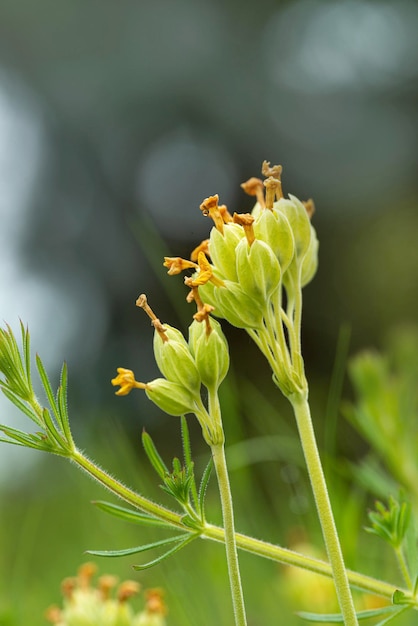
{"x": 261, "y": 293}
{"x": 386, "y": 406}
{"x": 390, "y": 611}
{"x": 181, "y": 482}
{"x": 16, "y": 384}
{"x": 391, "y": 522}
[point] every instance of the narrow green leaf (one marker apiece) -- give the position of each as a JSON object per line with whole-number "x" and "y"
{"x": 185, "y": 436}
{"x": 153, "y": 456}
{"x": 15, "y": 443}
{"x": 393, "y": 616}
{"x": 21, "y": 438}
{"x": 48, "y": 389}
{"x": 52, "y": 430}
{"x": 63, "y": 405}
{"x": 26, "y": 351}
{"x": 130, "y": 515}
{"x": 164, "y": 556}
{"x": 22, "y": 406}
{"x": 337, "y": 618}
{"x": 188, "y": 462}
{"x": 176, "y": 466}
{"x": 137, "y": 549}
{"x": 203, "y": 486}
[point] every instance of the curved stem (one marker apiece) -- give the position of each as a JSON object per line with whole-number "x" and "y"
{"x": 326, "y": 517}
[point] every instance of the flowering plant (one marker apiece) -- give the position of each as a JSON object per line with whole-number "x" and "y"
{"x": 251, "y": 272}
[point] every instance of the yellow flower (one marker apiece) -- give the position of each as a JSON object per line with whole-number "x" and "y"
{"x": 126, "y": 380}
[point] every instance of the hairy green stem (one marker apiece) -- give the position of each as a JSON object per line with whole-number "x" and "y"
{"x": 295, "y": 559}
{"x": 130, "y": 496}
{"x": 243, "y": 542}
{"x": 403, "y": 567}
{"x": 310, "y": 449}
{"x": 219, "y": 461}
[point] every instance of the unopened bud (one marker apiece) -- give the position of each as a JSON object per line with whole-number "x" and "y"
{"x": 237, "y": 307}
{"x": 173, "y": 358}
{"x": 210, "y": 351}
{"x": 258, "y": 270}
{"x": 222, "y": 249}
{"x": 274, "y": 229}
{"x": 310, "y": 262}
{"x": 299, "y": 222}
{"x": 170, "y": 397}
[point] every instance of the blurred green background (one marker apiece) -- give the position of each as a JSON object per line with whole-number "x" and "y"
{"x": 116, "y": 120}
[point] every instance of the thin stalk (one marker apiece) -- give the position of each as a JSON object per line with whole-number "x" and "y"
{"x": 219, "y": 461}
{"x": 403, "y": 567}
{"x": 310, "y": 449}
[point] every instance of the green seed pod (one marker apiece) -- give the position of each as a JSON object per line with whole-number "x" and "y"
{"x": 273, "y": 228}
{"x": 170, "y": 397}
{"x": 222, "y": 249}
{"x": 173, "y": 358}
{"x": 310, "y": 262}
{"x": 299, "y": 222}
{"x": 258, "y": 270}
{"x": 210, "y": 352}
{"x": 234, "y": 305}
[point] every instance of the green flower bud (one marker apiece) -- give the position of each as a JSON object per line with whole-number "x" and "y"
{"x": 258, "y": 270}
{"x": 210, "y": 352}
{"x": 238, "y": 308}
{"x": 299, "y": 222}
{"x": 310, "y": 262}
{"x": 173, "y": 358}
{"x": 171, "y": 397}
{"x": 273, "y": 228}
{"x": 222, "y": 249}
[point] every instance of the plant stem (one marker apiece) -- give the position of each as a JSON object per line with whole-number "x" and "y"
{"x": 295, "y": 559}
{"x": 310, "y": 449}
{"x": 219, "y": 460}
{"x": 403, "y": 567}
{"x": 216, "y": 533}
{"x": 127, "y": 494}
